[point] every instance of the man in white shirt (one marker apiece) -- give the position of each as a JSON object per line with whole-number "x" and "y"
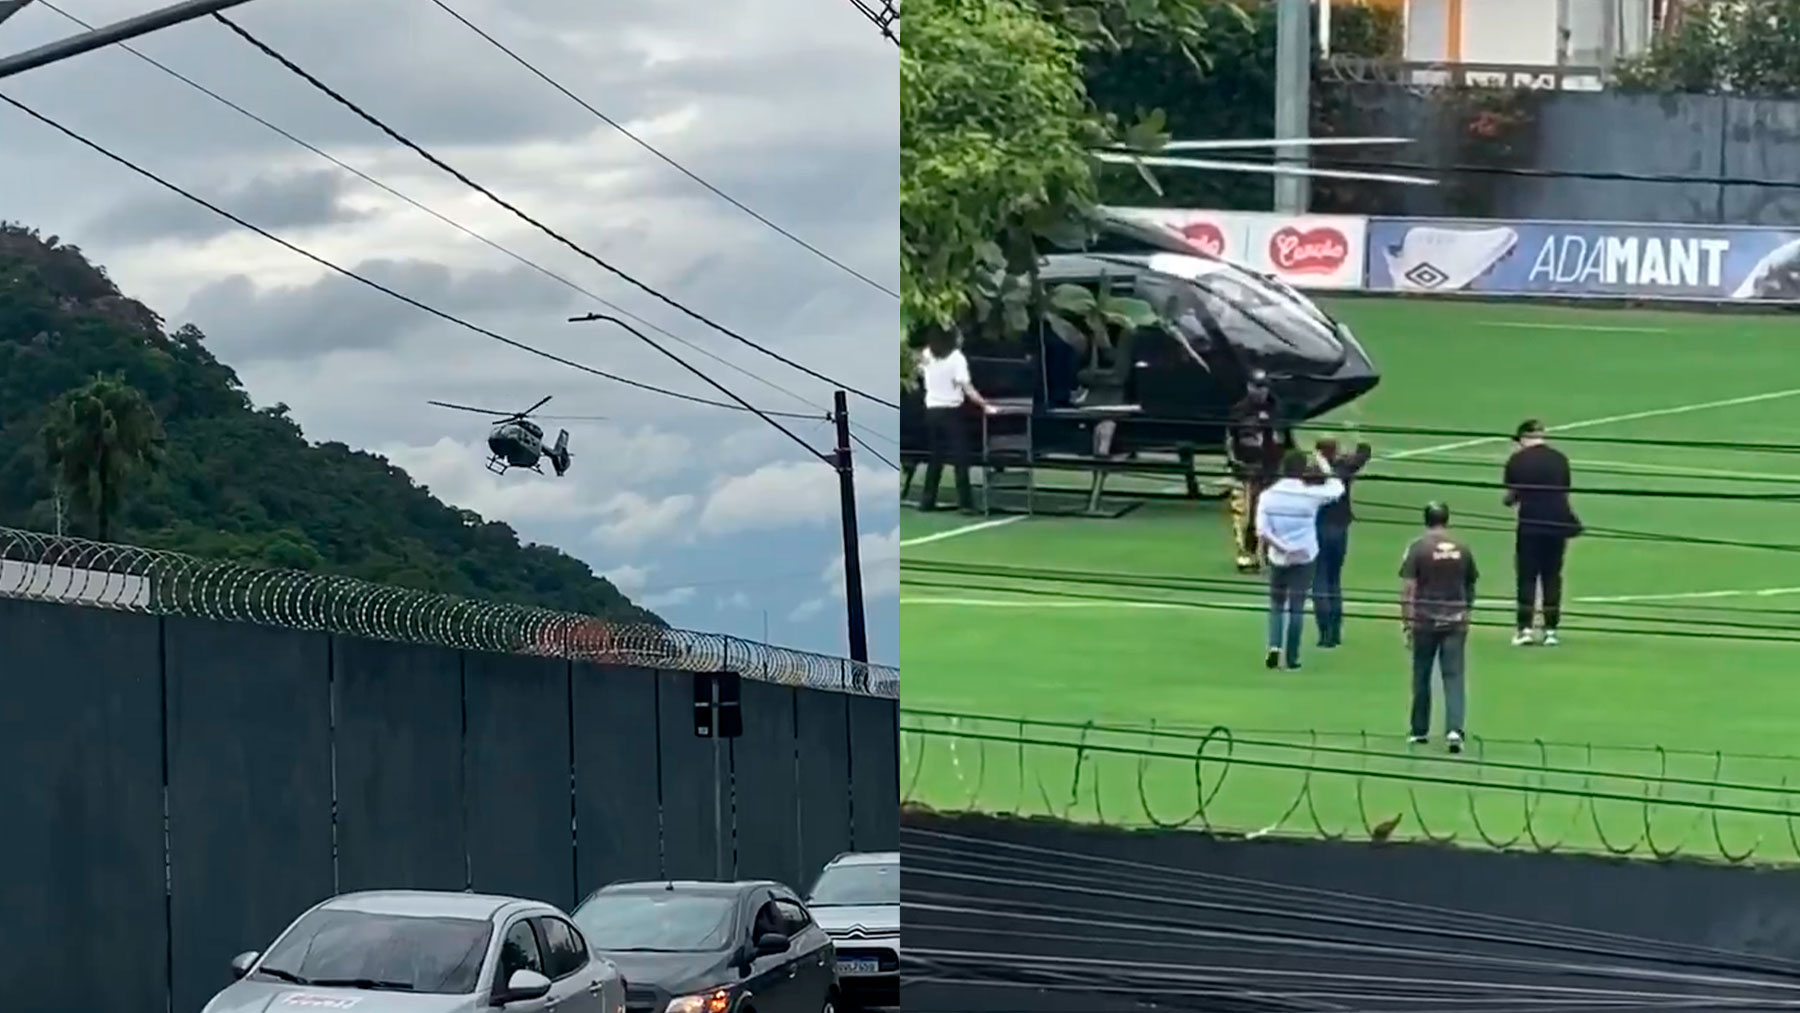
{"x": 944, "y": 371}
{"x": 1287, "y": 522}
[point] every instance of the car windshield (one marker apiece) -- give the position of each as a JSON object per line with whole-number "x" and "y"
{"x": 659, "y": 922}
{"x": 875, "y": 883}
{"x": 357, "y": 948}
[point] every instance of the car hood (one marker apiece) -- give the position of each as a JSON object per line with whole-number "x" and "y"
{"x": 671, "y": 974}
{"x": 279, "y": 997}
{"x": 863, "y": 919}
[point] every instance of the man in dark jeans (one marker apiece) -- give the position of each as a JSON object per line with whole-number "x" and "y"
{"x": 1334, "y": 541}
{"x": 1437, "y": 598}
{"x": 1537, "y": 486}
{"x": 1254, "y": 449}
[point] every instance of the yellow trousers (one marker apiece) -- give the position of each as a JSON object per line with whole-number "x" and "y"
{"x": 1244, "y": 494}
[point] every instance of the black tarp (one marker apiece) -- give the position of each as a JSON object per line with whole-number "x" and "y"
{"x": 81, "y": 859}
{"x": 249, "y": 740}
{"x": 617, "y": 822}
{"x": 875, "y": 772}
{"x": 822, "y": 728}
{"x": 398, "y": 711}
{"x": 690, "y": 790}
{"x": 766, "y": 787}
{"x": 517, "y": 773}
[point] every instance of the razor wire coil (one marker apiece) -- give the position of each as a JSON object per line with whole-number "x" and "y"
{"x": 53, "y": 568}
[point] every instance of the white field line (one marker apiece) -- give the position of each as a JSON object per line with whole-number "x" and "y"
{"x": 1607, "y": 420}
{"x": 1241, "y": 605}
{"x": 1602, "y": 328}
{"x": 966, "y": 529}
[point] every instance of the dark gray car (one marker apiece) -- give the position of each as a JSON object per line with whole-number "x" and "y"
{"x": 705, "y": 947}
{"x": 405, "y": 951}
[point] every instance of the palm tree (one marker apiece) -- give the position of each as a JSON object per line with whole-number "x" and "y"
{"x": 96, "y": 437}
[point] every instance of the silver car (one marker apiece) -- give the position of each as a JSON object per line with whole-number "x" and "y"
{"x": 425, "y": 952}
{"x": 856, "y": 900}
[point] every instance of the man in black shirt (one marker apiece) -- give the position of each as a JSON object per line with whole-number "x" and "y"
{"x": 1253, "y": 449}
{"x": 1437, "y": 599}
{"x": 1334, "y": 540}
{"x": 1537, "y": 487}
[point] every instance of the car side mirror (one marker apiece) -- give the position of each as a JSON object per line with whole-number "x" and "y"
{"x": 771, "y": 943}
{"x": 242, "y": 963}
{"x": 523, "y": 986}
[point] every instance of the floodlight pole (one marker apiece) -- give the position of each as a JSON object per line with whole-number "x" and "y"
{"x": 853, "y": 590}
{"x": 1293, "y": 84}
{"x": 99, "y": 38}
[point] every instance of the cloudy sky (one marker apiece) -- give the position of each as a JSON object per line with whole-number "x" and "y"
{"x": 708, "y": 516}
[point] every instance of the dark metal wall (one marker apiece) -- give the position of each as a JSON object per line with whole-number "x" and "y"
{"x": 1013, "y": 914}
{"x": 296, "y": 765}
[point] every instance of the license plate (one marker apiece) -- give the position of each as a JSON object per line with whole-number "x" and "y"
{"x": 859, "y": 967}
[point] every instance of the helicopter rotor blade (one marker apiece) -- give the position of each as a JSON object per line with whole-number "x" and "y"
{"x": 1266, "y": 168}
{"x": 1297, "y": 142}
{"x": 499, "y": 415}
{"x": 535, "y": 407}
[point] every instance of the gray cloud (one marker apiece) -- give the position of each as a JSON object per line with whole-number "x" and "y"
{"x": 245, "y": 320}
{"x": 284, "y": 201}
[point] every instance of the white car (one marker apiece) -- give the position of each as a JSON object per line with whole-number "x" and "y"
{"x": 416, "y": 951}
{"x": 856, "y": 900}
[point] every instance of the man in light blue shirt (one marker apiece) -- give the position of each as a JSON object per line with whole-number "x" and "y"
{"x": 1287, "y": 519}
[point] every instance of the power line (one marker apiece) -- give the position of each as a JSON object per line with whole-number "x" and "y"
{"x": 873, "y": 452}
{"x": 716, "y": 385}
{"x": 647, "y": 146}
{"x": 377, "y": 286}
{"x": 463, "y": 178}
{"x": 1535, "y": 173}
{"x": 440, "y": 216}
{"x": 883, "y": 19}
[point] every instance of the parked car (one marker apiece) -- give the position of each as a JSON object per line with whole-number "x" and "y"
{"x": 425, "y": 952}
{"x": 704, "y": 947}
{"x": 856, "y": 900}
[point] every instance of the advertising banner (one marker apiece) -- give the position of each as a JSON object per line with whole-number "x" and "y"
{"x": 1306, "y": 251}
{"x": 1712, "y": 262}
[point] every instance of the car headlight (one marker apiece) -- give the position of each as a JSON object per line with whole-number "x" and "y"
{"x": 717, "y": 1000}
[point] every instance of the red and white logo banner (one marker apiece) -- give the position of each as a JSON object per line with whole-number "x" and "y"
{"x": 1306, "y": 251}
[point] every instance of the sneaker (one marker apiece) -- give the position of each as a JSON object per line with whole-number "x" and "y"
{"x": 1523, "y": 638}
{"x": 1272, "y": 660}
{"x": 1417, "y": 740}
{"x": 1550, "y": 638}
{"x": 1454, "y": 742}
{"x": 1293, "y": 666}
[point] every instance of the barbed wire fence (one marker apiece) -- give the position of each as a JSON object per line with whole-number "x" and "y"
{"x": 1501, "y": 795}
{"x": 126, "y": 578}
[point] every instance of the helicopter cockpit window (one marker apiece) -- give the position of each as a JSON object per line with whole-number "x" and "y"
{"x": 1260, "y": 319}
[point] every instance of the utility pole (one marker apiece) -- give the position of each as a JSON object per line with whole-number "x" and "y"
{"x": 99, "y": 38}
{"x": 853, "y": 591}
{"x": 1293, "y": 100}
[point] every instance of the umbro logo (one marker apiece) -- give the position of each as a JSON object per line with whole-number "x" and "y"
{"x": 1426, "y": 275}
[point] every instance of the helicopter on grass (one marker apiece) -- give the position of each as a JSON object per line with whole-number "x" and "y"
{"x": 517, "y": 442}
{"x": 1199, "y": 326}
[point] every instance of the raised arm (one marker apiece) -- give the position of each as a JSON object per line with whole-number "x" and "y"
{"x": 1347, "y": 466}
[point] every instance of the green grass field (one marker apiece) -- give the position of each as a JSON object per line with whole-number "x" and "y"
{"x": 1624, "y": 716}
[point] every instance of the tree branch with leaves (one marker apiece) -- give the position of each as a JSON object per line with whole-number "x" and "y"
{"x": 97, "y": 438}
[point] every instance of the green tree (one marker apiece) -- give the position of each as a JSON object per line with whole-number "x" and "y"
{"x": 1750, "y": 48}
{"x": 97, "y": 438}
{"x": 996, "y": 130}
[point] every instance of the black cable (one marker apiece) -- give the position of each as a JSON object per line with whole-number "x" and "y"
{"x": 883, "y": 20}
{"x": 377, "y": 286}
{"x": 873, "y": 452}
{"x": 463, "y": 178}
{"x": 647, "y": 146}
{"x": 440, "y": 216}
{"x": 716, "y": 385}
{"x": 1584, "y": 174}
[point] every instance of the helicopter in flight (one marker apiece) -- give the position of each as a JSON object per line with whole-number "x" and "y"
{"x": 517, "y": 442}
{"x": 1168, "y": 386}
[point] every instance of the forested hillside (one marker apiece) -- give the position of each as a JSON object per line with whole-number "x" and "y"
{"x": 231, "y": 479}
